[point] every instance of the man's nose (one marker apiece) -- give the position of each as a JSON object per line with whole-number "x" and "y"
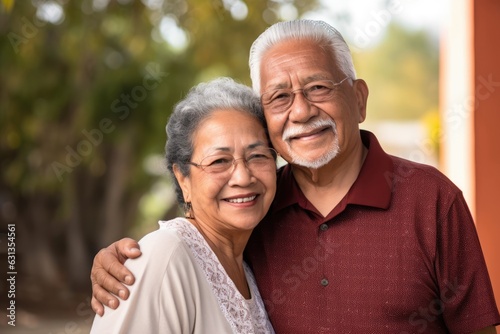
{"x": 301, "y": 109}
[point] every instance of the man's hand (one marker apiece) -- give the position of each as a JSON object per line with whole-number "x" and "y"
{"x": 108, "y": 274}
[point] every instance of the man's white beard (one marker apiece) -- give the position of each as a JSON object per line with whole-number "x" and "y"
{"x": 316, "y": 163}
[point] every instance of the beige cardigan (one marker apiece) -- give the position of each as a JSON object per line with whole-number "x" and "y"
{"x": 181, "y": 287}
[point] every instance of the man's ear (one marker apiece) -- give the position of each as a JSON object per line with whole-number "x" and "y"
{"x": 361, "y": 91}
{"x": 184, "y": 183}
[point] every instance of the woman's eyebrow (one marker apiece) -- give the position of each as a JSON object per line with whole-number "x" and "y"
{"x": 258, "y": 144}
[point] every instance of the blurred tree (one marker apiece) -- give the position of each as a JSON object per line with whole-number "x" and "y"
{"x": 402, "y": 70}
{"x": 86, "y": 88}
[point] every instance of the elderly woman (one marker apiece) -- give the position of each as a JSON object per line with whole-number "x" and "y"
{"x": 191, "y": 277}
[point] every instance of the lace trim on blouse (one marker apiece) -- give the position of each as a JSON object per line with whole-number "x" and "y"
{"x": 244, "y": 316}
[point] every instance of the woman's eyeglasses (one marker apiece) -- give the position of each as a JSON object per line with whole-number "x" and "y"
{"x": 256, "y": 160}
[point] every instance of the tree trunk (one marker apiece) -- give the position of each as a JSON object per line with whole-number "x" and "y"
{"x": 115, "y": 220}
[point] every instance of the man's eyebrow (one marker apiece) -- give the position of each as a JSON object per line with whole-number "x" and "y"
{"x": 306, "y": 80}
{"x": 317, "y": 77}
{"x": 280, "y": 85}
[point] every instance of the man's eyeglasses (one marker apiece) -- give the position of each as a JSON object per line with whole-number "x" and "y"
{"x": 279, "y": 100}
{"x": 256, "y": 160}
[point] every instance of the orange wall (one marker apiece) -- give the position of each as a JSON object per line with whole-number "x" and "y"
{"x": 486, "y": 32}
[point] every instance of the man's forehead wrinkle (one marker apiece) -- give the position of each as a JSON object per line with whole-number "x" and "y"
{"x": 281, "y": 77}
{"x": 291, "y": 55}
{"x": 286, "y": 62}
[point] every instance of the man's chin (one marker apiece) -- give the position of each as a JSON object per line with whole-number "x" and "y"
{"x": 312, "y": 163}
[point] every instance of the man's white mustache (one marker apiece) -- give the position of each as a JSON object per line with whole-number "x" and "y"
{"x": 294, "y": 131}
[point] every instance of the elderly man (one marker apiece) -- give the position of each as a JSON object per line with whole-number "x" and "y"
{"x": 356, "y": 240}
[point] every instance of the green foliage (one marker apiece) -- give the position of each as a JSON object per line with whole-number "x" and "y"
{"x": 6, "y": 5}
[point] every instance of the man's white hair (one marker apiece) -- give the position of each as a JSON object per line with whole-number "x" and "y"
{"x": 317, "y": 31}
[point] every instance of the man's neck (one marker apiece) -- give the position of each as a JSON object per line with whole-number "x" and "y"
{"x": 326, "y": 186}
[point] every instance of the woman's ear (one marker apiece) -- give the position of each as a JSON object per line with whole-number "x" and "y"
{"x": 361, "y": 91}
{"x": 184, "y": 183}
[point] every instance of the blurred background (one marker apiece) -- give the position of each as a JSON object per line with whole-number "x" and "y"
{"x": 86, "y": 88}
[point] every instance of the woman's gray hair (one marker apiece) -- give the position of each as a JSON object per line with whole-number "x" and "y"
{"x": 317, "y": 31}
{"x": 199, "y": 103}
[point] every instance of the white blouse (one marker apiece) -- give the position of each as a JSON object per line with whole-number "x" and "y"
{"x": 181, "y": 287}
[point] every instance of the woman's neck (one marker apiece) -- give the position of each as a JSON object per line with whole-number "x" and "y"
{"x": 228, "y": 248}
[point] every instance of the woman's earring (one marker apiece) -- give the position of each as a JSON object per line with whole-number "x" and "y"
{"x": 188, "y": 210}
